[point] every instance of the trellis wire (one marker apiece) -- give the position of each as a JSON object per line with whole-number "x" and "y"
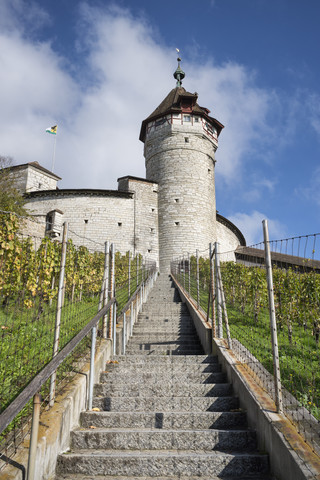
{"x": 296, "y": 275}
{"x": 28, "y": 297}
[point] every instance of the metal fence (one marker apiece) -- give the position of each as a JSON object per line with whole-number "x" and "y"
{"x": 273, "y": 329}
{"x": 50, "y": 292}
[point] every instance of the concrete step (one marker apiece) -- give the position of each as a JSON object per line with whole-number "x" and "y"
{"x": 158, "y": 342}
{"x": 175, "y": 349}
{"x": 152, "y": 377}
{"x": 153, "y": 311}
{"x": 175, "y": 368}
{"x": 165, "y": 321}
{"x": 78, "y": 476}
{"x": 166, "y": 404}
{"x": 158, "y": 359}
{"x": 167, "y": 463}
{"x": 193, "y": 440}
{"x": 165, "y": 420}
{"x": 163, "y": 329}
{"x": 163, "y": 389}
{"x": 164, "y": 336}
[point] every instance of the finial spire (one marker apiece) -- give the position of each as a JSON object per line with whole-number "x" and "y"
{"x": 179, "y": 73}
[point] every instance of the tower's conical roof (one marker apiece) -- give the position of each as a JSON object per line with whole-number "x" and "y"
{"x": 179, "y": 101}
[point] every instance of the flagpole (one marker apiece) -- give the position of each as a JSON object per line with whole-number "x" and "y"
{"x": 54, "y": 153}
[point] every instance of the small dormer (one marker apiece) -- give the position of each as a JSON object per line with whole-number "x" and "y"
{"x": 54, "y": 220}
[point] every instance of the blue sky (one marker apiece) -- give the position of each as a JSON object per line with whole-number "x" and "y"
{"x": 98, "y": 68}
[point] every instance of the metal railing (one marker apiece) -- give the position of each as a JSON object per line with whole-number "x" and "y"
{"x": 49, "y": 295}
{"x": 266, "y": 305}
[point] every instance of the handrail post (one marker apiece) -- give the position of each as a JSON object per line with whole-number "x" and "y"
{"x": 218, "y": 290}
{"x": 212, "y": 292}
{"x": 114, "y": 328}
{"x": 112, "y": 288}
{"x": 34, "y": 437}
{"x": 224, "y": 307}
{"x": 198, "y": 280}
{"x": 137, "y": 267}
{"x": 92, "y": 355}
{"x": 105, "y": 287}
{"x": 189, "y": 273}
{"x": 124, "y": 326}
{"x": 129, "y": 275}
{"x": 59, "y": 308}
{"x": 273, "y": 323}
{"x": 131, "y": 319}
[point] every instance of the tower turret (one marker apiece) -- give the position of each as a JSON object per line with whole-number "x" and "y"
{"x": 180, "y": 140}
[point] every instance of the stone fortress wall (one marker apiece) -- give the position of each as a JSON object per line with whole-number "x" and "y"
{"x": 128, "y": 217}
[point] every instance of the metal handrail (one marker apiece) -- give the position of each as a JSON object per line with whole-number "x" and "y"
{"x": 135, "y": 293}
{"x": 36, "y": 383}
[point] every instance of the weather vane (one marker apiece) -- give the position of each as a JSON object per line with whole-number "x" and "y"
{"x": 179, "y": 73}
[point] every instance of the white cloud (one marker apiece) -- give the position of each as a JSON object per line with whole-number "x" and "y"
{"x": 19, "y": 15}
{"x": 125, "y": 74}
{"x": 311, "y": 192}
{"x": 251, "y": 227}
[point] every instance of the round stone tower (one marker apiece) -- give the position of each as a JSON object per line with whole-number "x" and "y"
{"x": 180, "y": 140}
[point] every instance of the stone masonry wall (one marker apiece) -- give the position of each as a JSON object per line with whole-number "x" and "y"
{"x": 228, "y": 242}
{"x": 146, "y": 215}
{"x": 91, "y": 218}
{"x": 37, "y": 180}
{"x": 181, "y": 161}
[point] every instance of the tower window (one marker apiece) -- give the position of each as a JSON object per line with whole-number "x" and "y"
{"x": 196, "y": 119}
{"x": 152, "y": 230}
{"x": 177, "y": 223}
{"x": 209, "y": 170}
{"x": 86, "y": 221}
{"x": 176, "y": 200}
{"x": 186, "y": 139}
{"x": 152, "y": 209}
{"x": 149, "y": 250}
{"x": 186, "y": 118}
{"x": 119, "y": 224}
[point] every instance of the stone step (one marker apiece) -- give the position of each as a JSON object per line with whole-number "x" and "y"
{"x": 181, "y": 337}
{"x": 155, "y": 341}
{"x": 164, "y": 349}
{"x": 78, "y": 476}
{"x": 163, "y": 329}
{"x": 161, "y": 377}
{"x": 159, "y": 344}
{"x": 153, "y": 311}
{"x": 165, "y": 320}
{"x": 125, "y": 439}
{"x": 165, "y": 420}
{"x": 167, "y": 404}
{"x": 174, "y": 368}
{"x": 167, "y": 359}
{"x": 167, "y": 463}
{"x": 162, "y": 390}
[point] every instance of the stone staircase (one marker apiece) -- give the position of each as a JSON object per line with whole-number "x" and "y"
{"x": 166, "y": 410}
